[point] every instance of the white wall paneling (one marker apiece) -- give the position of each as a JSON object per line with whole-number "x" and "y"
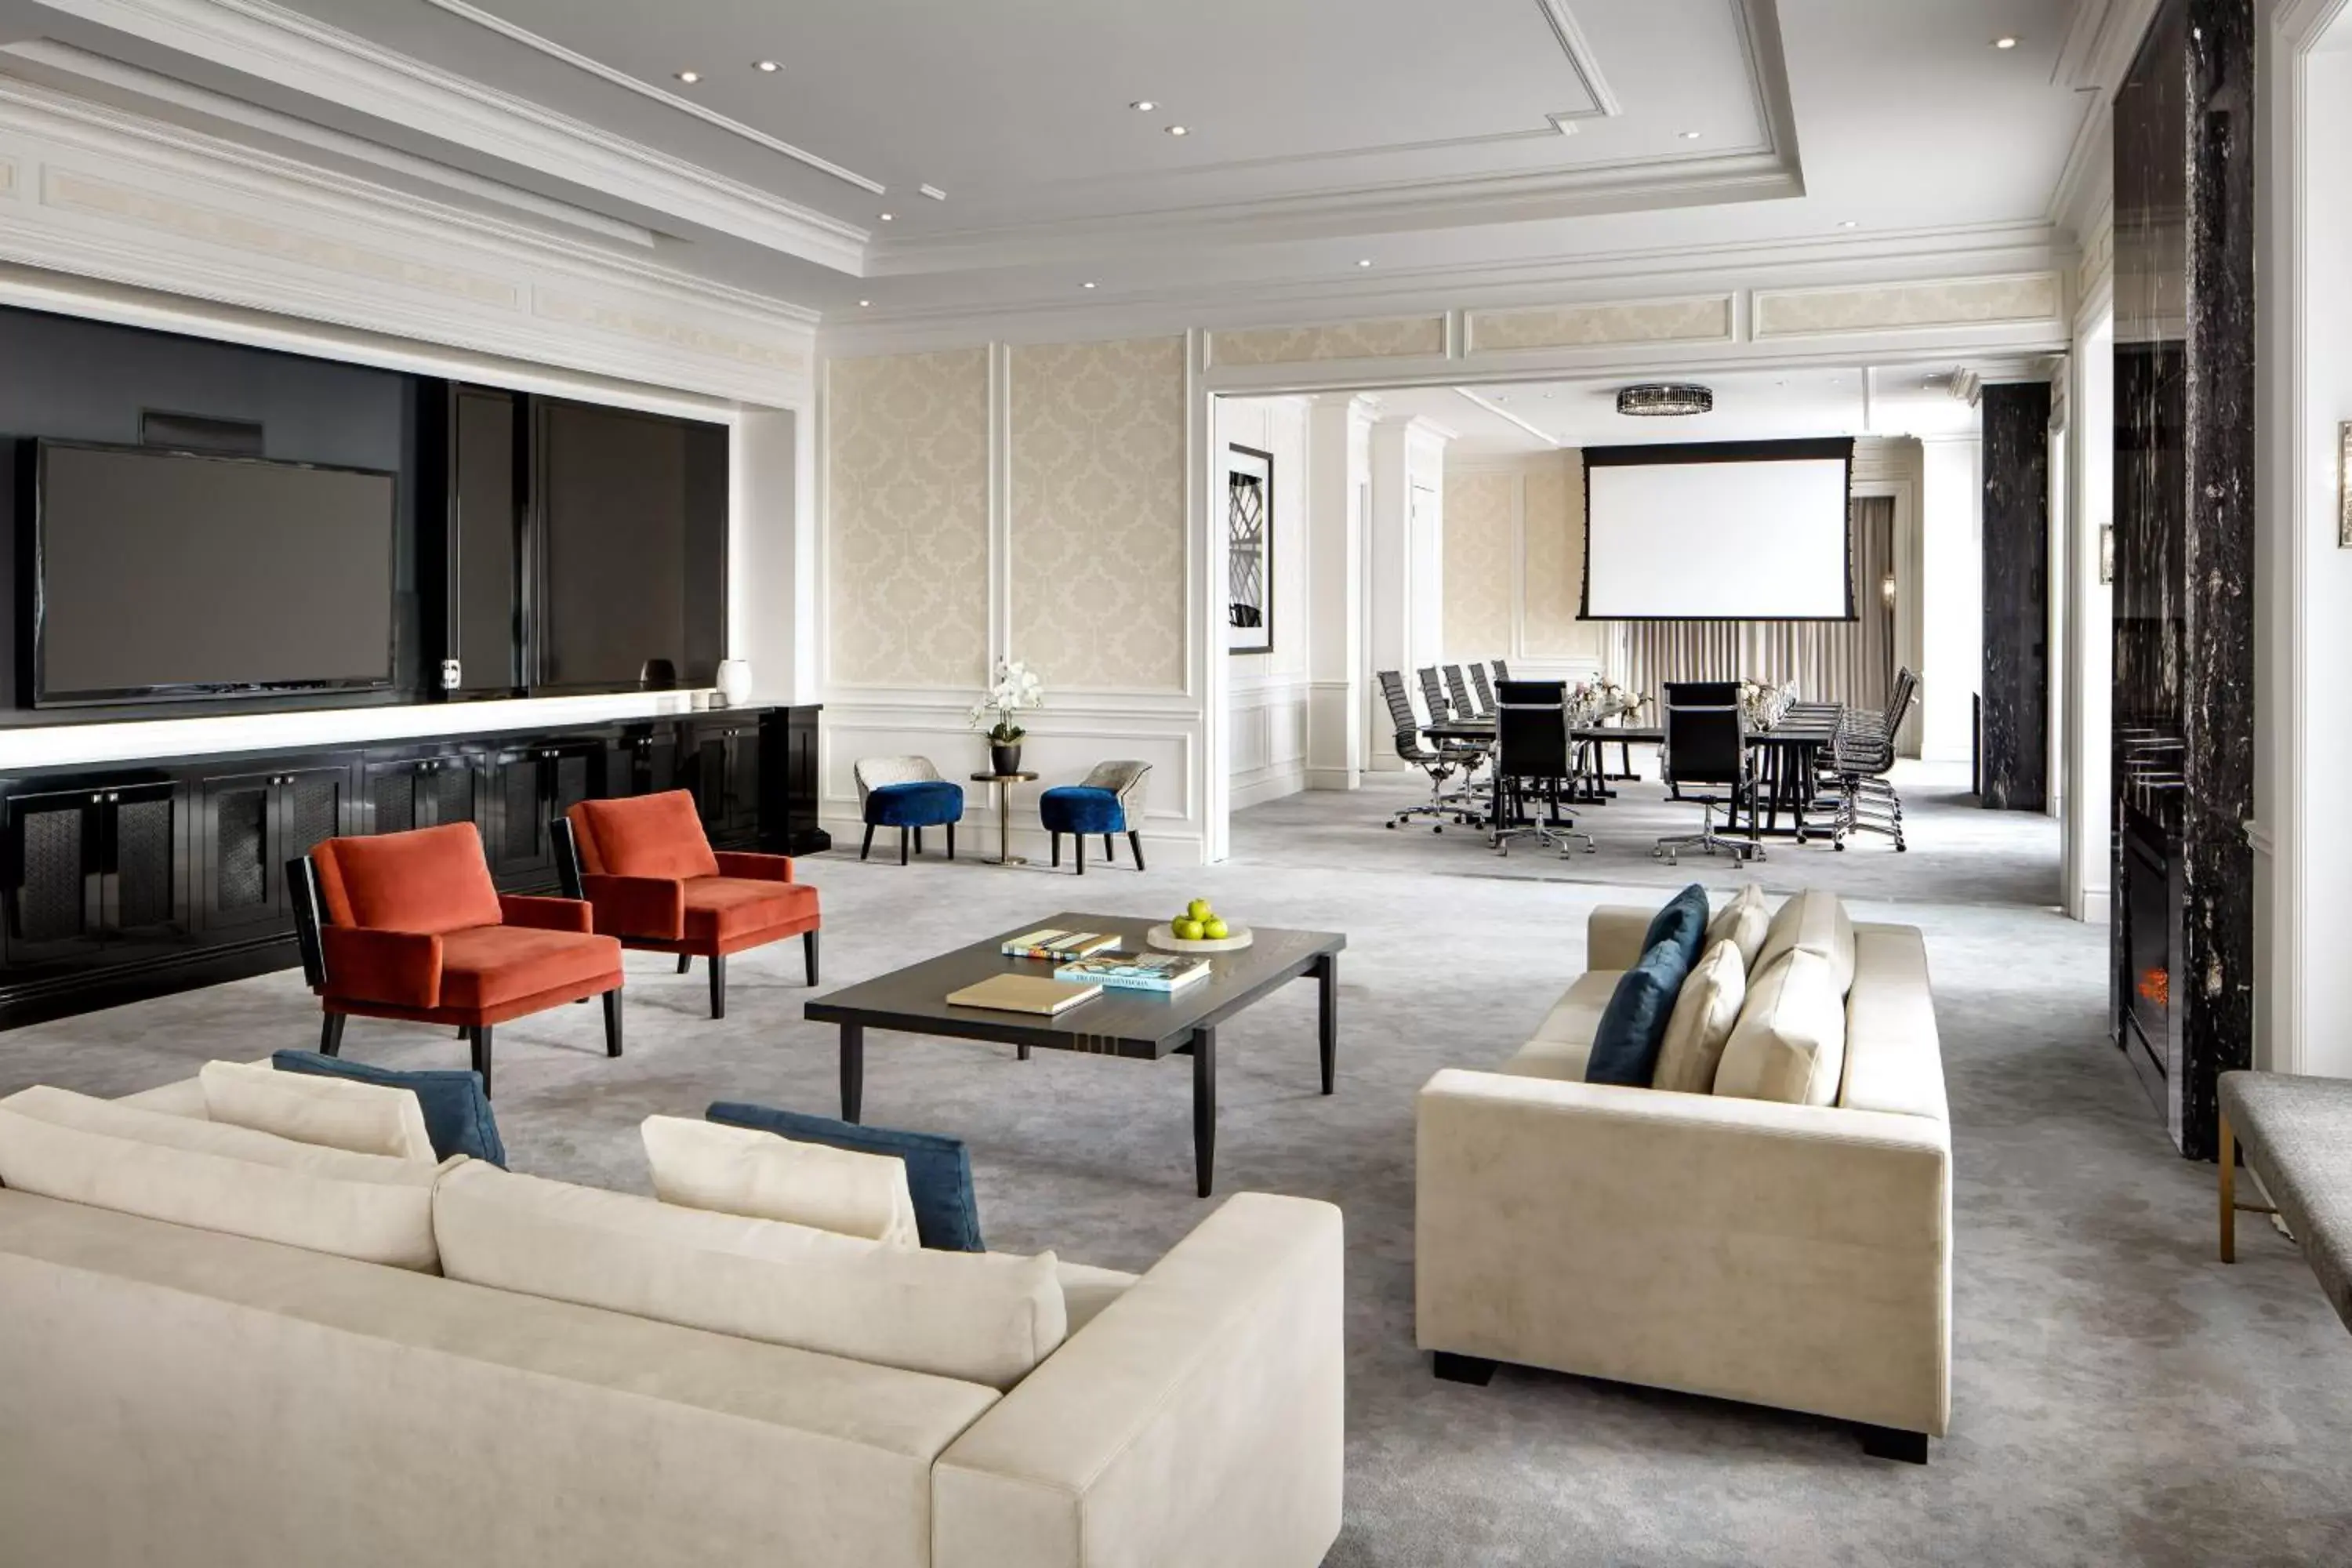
{"x": 1267, "y": 703}
{"x": 1951, "y": 663}
{"x": 1339, "y": 727}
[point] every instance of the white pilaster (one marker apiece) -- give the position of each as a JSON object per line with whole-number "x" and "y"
{"x": 1404, "y": 623}
{"x": 1952, "y": 607}
{"x": 1338, "y": 441}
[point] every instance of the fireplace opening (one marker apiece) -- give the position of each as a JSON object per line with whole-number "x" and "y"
{"x": 2149, "y": 969}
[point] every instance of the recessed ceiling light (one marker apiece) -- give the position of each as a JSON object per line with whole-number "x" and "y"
{"x": 1547, "y": 398}
{"x": 1500, "y": 398}
{"x": 1086, "y": 285}
{"x": 1690, "y": 135}
{"x": 771, "y": 67}
{"x": 2004, "y": 42}
{"x": 689, "y": 78}
{"x": 1143, "y": 106}
{"x": 888, "y": 217}
{"x": 1180, "y": 130}
{"x": 1364, "y": 261}
{"x": 1845, "y": 223}
{"x": 863, "y": 304}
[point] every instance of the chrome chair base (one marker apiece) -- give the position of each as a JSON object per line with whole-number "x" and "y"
{"x": 1669, "y": 848}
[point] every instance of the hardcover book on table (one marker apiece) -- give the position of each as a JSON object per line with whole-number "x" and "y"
{"x": 1022, "y": 993}
{"x": 1059, "y": 944}
{"x": 1137, "y": 971}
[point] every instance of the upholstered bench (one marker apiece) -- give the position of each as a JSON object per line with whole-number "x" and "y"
{"x": 2297, "y": 1135}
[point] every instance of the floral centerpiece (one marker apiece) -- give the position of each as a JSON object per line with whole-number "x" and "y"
{"x": 1762, "y": 704}
{"x": 1600, "y": 701}
{"x": 1015, "y": 689}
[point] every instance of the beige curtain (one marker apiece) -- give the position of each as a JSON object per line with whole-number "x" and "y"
{"x": 1848, "y": 662}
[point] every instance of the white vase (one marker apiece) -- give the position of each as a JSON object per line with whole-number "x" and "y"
{"x": 735, "y": 681}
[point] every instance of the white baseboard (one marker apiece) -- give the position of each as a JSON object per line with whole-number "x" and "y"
{"x": 1334, "y": 778}
{"x": 2093, "y": 906}
{"x": 1259, "y": 786}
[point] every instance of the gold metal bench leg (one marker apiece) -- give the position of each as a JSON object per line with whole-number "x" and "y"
{"x": 2228, "y": 1153}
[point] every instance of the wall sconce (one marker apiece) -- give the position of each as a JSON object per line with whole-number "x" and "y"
{"x": 1886, "y": 589}
{"x": 2107, "y": 553}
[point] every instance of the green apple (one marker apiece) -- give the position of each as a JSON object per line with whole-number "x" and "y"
{"x": 1198, "y": 909}
{"x": 1186, "y": 930}
{"x": 1213, "y": 929}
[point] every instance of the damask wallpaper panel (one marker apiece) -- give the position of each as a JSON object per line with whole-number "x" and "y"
{"x": 1099, "y": 521}
{"x": 1555, "y": 561}
{"x": 1481, "y": 561}
{"x": 907, "y": 540}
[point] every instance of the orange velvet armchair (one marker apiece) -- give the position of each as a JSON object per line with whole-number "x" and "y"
{"x": 410, "y": 926}
{"x": 645, "y": 867}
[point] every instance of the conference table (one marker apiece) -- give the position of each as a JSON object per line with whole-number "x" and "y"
{"x": 1789, "y": 754}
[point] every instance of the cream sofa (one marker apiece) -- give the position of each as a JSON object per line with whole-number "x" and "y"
{"x": 1796, "y": 1255}
{"x": 181, "y": 1396}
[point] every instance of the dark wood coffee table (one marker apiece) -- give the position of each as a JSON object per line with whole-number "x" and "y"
{"x": 1142, "y": 1024}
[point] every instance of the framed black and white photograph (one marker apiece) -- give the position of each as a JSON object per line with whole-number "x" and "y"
{"x": 1249, "y": 550}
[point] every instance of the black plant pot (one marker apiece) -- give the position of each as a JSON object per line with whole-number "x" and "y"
{"x": 1004, "y": 759}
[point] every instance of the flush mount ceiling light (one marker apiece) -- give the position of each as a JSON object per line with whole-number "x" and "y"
{"x": 771, "y": 67}
{"x": 689, "y": 78}
{"x": 2004, "y": 42}
{"x": 1654, "y": 398}
{"x": 1180, "y": 130}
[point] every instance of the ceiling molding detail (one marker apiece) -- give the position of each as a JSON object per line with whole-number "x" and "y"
{"x": 1499, "y": 412}
{"x": 1581, "y": 61}
{"x": 153, "y": 85}
{"x": 1395, "y": 338}
{"x": 1908, "y": 307}
{"x": 307, "y": 56}
{"x": 1704, "y": 319}
{"x": 314, "y": 254}
{"x": 660, "y": 95}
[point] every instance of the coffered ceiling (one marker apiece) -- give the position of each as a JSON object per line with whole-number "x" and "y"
{"x": 936, "y": 155}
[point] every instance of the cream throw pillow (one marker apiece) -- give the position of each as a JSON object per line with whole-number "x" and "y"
{"x": 330, "y": 1113}
{"x": 1817, "y": 922}
{"x": 1705, "y": 1011}
{"x": 980, "y": 1317}
{"x": 1743, "y": 922}
{"x": 197, "y": 1173}
{"x": 742, "y": 1170}
{"x": 1790, "y": 1042}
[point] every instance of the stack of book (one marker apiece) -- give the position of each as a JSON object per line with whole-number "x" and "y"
{"x": 1137, "y": 971}
{"x": 1060, "y": 945}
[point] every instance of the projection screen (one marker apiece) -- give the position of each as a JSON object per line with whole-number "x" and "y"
{"x": 1748, "y": 531}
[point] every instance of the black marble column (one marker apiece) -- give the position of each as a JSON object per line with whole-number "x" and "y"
{"x": 2016, "y": 682}
{"x": 2184, "y": 150}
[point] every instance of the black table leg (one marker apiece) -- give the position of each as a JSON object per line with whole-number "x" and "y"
{"x": 1326, "y": 987}
{"x": 852, "y": 1069}
{"x": 1204, "y": 1109}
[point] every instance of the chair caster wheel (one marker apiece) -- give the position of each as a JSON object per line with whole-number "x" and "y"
{"x": 1437, "y": 827}
{"x": 1839, "y": 848}
{"x": 1903, "y": 848}
{"x": 1389, "y": 825}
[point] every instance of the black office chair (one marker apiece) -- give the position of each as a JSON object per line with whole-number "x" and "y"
{"x": 1440, "y": 765}
{"x": 1532, "y": 763}
{"x": 1458, "y": 688}
{"x": 1860, "y": 758}
{"x": 1485, "y": 687}
{"x": 1432, "y": 696}
{"x": 1706, "y": 747}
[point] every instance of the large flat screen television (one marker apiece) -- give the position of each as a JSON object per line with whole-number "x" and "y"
{"x": 160, "y": 574}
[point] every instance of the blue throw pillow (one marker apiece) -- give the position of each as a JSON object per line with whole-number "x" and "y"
{"x": 1683, "y": 921}
{"x": 939, "y": 1170}
{"x": 1633, "y": 1025}
{"x": 456, "y": 1112}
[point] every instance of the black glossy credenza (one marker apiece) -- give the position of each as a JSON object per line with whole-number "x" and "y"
{"x": 130, "y": 879}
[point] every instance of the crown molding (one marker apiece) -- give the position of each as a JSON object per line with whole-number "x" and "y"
{"x": 1401, "y": 207}
{"x": 78, "y": 121}
{"x": 661, "y": 95}
{"x": 70, "y": 60}
{"x": 1639, "y": 272}
{"x": 307, "y": 56}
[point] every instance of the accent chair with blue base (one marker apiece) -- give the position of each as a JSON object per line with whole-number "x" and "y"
{"x": 1097, "y": 804}
{"x": 907, "y": 794}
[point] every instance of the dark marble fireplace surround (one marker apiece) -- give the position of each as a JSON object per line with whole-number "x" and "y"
{"x": 2183, "y": 590}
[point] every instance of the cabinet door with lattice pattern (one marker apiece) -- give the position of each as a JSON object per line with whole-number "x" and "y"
{"x": 242, "y": 867}
{"x": 51, "y": 894}
{"x": 144, "y": 858}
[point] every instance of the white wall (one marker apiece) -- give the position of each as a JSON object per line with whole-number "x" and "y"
{"x": 1404, "y": 619}
{"x": 2087, "y": 671}
{"x": 2315, "y": 845}
{"x": 1266, "y": 697}
{"x": 1952, "y": 607}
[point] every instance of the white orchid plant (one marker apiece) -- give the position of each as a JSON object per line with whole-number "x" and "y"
{"x": 1015, "y": 689}
{"x": 1762, "y": 704}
